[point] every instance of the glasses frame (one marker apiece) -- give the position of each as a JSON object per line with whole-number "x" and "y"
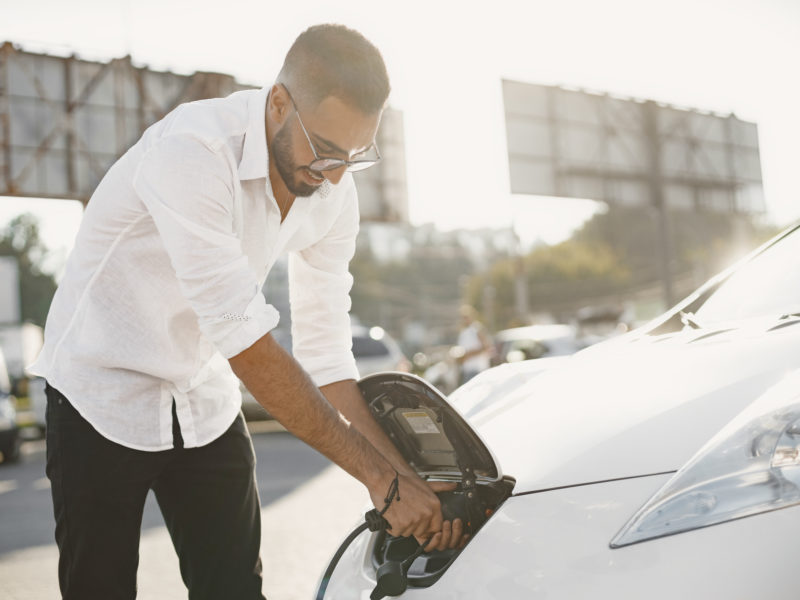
{"x": 328, "y": 163}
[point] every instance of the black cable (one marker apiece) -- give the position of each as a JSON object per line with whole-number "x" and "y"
{"x": 373, "y": 520}
{"x": 326, "y": 578}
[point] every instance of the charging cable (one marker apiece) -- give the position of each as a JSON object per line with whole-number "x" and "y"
{"x": 391, "y": 576}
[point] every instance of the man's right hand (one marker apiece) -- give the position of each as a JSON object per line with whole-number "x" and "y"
{"x": 418, "y": 511}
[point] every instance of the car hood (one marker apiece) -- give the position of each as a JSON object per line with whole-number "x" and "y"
{"x": 632, "y": 406}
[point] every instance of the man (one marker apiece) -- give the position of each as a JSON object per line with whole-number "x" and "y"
{"x": 160, "y": 310}
{"x": 475, "y": 342}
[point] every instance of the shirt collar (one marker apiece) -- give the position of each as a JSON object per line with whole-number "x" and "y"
{"x": 253, "y": 164}
{"x": 255, "y": 155}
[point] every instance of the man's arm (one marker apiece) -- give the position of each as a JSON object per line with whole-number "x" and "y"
{"x": 347, "y": 398}
{"x": 278, "y": 382}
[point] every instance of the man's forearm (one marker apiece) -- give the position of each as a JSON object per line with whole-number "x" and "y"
{"x": 278, "y": 382}
{"x": 346, "y": 397}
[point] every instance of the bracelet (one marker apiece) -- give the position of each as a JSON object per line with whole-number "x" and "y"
{"x": 393, "y": 493}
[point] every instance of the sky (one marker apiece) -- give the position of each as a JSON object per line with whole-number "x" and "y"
{"x": 446, "y": 60}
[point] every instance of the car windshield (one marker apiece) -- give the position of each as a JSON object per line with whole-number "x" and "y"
{"x": 365, "y": 346}
{"x": 768, "y": 285}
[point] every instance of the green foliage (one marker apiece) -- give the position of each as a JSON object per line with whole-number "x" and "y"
{"x": 20, "y": 239}
{"x": 425, "y": 286}
{"x": 612, "y": 256}
{"x": 700, "y": 242}
{"x": 555, "y": 277}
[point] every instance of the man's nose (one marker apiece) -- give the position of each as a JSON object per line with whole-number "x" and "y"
{"x": 335, "y": 175}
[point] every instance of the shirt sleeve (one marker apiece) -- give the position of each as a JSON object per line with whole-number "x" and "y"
{"x": 319, "y": 293}
{"x": 187, "y": 188}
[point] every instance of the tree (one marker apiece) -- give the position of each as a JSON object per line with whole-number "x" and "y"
{"x": 425, "y": 286}
{"x": 20, "y": 239}
{"x": 614, "y": 255}
{"x": 559, "y": 278}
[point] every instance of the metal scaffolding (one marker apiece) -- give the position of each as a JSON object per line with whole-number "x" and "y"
{"x": 65, "y": 120}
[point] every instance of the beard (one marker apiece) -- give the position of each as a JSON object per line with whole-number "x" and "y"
{"x": 281, "y": 151}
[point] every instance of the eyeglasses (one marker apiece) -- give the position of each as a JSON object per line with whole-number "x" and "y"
{"x": 325, "y": 163}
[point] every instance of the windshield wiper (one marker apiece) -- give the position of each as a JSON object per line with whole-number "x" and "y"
{"x": 785, "y": 320}
{"x": 689, "y": 320}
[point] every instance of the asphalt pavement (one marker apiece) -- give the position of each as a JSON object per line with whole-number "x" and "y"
{"x": 308, "y": 507}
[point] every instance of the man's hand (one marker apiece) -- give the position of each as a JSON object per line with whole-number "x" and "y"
{"x": 418, "y": 512}
{"x": 415, "y": 509}
{"x": 452, "y": 533}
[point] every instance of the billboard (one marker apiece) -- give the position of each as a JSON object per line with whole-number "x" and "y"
{"x": 573, "y": 143}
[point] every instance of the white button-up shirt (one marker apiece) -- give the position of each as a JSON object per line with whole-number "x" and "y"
{"x": 164, "y": 281}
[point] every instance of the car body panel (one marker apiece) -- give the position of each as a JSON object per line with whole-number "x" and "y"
{"x": 554, "y": 545}
{"x": 557, "y": 428}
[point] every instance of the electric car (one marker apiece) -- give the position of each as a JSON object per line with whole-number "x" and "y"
{"x": 660, "y": 464}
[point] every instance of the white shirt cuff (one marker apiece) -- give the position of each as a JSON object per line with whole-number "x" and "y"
{"x": 235, "y": 333}
{"x": 324, "y": 371}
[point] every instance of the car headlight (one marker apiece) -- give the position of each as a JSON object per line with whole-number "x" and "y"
{"x": 751, "y": 466}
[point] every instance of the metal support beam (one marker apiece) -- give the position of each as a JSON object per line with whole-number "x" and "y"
{"x": 5, "y": 120}
{"x": 72, "y": 179}
{"x": 656, "y": 186}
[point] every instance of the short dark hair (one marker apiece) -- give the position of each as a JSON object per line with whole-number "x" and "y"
{"x": 334, "y": 60}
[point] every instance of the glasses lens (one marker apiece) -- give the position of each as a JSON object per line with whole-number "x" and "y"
{"x": 326, "y": 164}
{"x": 360, "y": 165}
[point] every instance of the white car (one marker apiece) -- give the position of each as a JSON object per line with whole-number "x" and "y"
{"x": 376, "y": 351}
{"x": 661, "y": 464}
{"x": 536, "y": 341}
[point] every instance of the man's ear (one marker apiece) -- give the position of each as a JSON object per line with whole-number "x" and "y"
{"x": 278, "y": 105}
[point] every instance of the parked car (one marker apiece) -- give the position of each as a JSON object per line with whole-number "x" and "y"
{"x": 373, "y": 349}
{"x": 536, "y": 341}
{"x": 510, "y": 345}
{"x": 9, "y": 430}
{"x": 662, "y": 463}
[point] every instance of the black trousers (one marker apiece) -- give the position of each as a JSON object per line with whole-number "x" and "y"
{"x": 208, "y": 497}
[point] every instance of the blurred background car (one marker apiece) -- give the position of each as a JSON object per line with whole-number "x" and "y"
{"x": 516, "y": 344}
{"x": 373, "y": 349}
{"x": 536, "y": 341}
{"x": 9, "y": 430}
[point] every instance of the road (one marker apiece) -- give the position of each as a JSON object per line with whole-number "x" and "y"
{"x": 299, "y": 532}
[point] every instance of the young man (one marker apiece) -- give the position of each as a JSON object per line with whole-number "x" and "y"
{"x": 160, "y": 310}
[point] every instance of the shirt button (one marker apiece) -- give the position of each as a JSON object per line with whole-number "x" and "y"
{"x": 61, "y": 401}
